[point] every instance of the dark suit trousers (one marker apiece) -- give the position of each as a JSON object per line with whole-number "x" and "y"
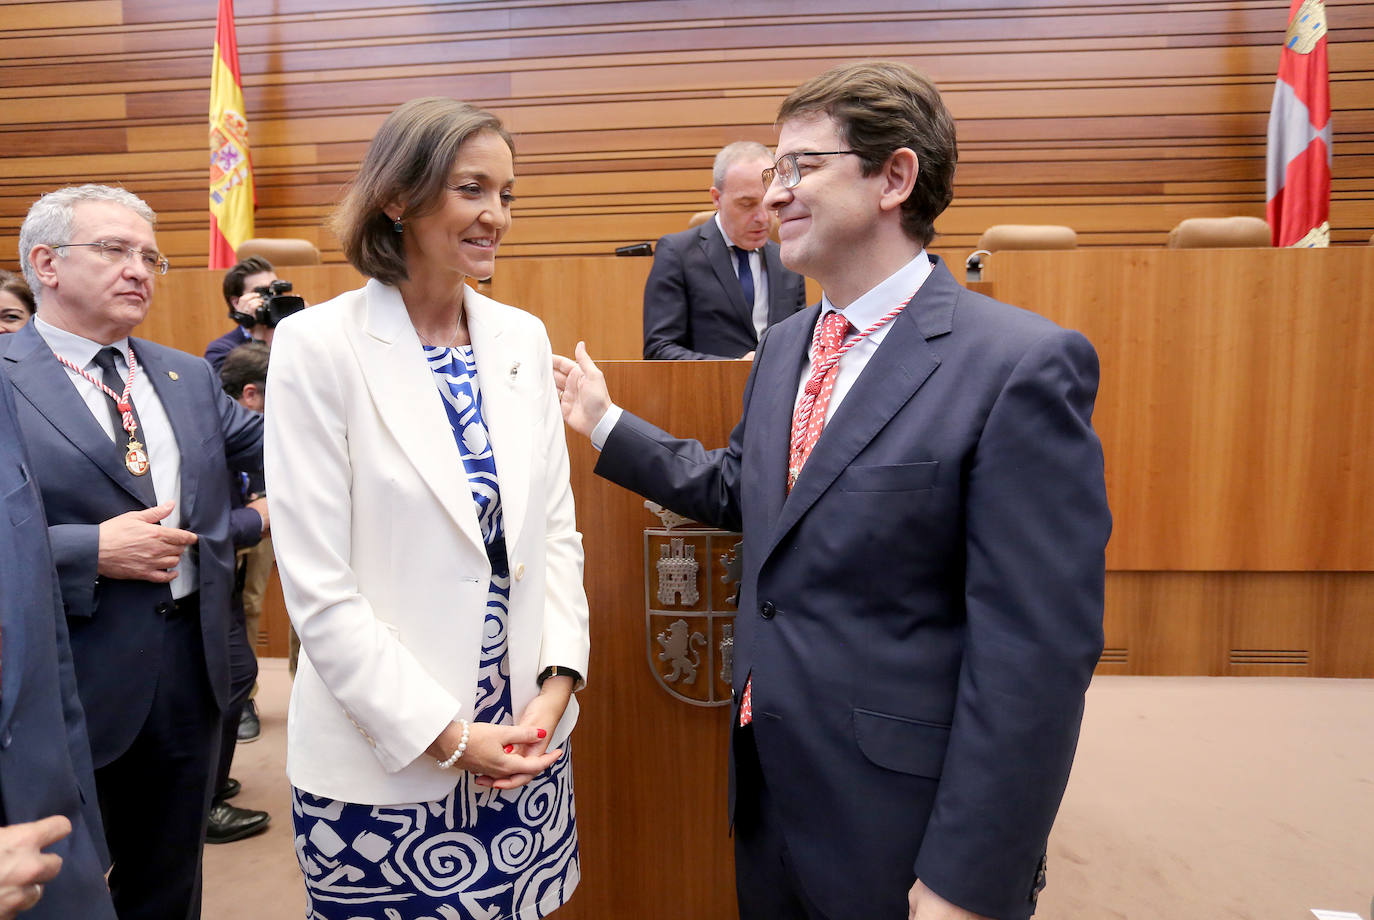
{"x": 243, "y": 673}
{"x": 155, "y": 797}
{"x": 766, "y": 882}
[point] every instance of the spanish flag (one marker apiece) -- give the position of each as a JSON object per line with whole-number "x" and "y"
{"x": 232, "y": 196}
{"x": 1298, "y": 177}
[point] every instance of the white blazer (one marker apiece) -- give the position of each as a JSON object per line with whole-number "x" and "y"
{"x": 377, "y": 541}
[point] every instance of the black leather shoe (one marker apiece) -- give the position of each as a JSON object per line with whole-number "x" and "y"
{"x": 228, "y": 823}
{"x": 231, "y": 788}
{"x": 250, "y": 729}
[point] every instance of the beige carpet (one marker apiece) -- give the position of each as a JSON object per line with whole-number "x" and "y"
{"x": 1191, "y": 799}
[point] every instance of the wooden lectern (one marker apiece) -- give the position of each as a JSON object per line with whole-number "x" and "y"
{"x": 650, "y": 768}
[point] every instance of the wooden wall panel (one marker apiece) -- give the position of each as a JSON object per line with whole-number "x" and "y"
{"x": 1234, "y": 406}
{"x": 1234, "y": 411}
{"x": 596, "y": 299}
{"x": 1119, "y": 118}
{"x": 1240, "y": 624}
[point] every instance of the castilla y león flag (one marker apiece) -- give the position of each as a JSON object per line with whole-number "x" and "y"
{"x": 232, "y": 196}
{"x": 1298, "y": 181}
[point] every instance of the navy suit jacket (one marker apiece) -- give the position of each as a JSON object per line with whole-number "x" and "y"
{"x": 922, "y": 614}
{"x": 45, "y": 760}
{"x": 116, "y": 630}
{"x": 219, "y": 349}
{"x": 693, "y": 305}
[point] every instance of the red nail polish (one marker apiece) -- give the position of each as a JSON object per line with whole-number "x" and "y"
{"x": 542, "y": 733}
{"x": 508, "y": 748}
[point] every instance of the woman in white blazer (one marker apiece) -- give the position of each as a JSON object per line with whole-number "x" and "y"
{"x": 424, "y": 531}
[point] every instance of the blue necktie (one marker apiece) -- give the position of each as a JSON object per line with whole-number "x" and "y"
{"x": 746, "y": 276}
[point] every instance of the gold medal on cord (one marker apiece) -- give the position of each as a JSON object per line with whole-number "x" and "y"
{"x": 135, "y": 460}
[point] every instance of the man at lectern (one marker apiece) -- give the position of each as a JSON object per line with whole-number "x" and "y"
{"x": 925, "y": 519}
{"x": 715, "y": 288}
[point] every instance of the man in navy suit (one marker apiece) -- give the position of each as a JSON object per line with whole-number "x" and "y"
{"x": 715, "y": 288}
{"x": 132, "y": 444}
{"x": 47, "y": 792}
{"x": 921, "y": 605}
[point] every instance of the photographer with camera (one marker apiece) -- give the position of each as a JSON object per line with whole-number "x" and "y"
{"x": 257, "y": 301}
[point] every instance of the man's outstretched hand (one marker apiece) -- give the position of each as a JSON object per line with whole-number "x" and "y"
{"x": 582, "y": 391}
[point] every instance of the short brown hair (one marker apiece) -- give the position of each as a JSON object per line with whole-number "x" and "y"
{"x": 244, "y": 365}
{"x": 882, "y": 106}
{"x": 236, "y": 276}
{"x": 409, "y": 160}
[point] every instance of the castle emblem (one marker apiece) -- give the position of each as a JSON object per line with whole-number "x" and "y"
{"x": 1306, "y": 28}
{"x": 691, "y": 589}
{"x": 677, "y": 573}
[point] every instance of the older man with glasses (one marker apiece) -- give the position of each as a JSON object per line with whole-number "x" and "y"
{"x": 132, "y": 444}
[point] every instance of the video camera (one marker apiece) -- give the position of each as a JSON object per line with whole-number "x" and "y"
{"x": 276, "y": 306}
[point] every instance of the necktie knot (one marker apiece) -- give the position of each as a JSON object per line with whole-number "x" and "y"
{"x": 833, "y": 329}
{"x": 105, "y": 360}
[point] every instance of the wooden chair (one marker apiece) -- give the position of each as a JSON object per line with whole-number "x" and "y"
{"x": 280, "y": 251}
{"x": 1017, "y": 236}
{"x": 1221, "y": 233}
{"x": 1028, "y": 236}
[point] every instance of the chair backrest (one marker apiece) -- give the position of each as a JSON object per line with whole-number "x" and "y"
{"x": 280, "y": 251}
{"x": 1028, "y": 236}
{"x": 1220, "y": 233}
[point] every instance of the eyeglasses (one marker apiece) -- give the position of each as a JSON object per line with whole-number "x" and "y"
{"x": 787, "y": 169}
{"x": 114, "y": 252}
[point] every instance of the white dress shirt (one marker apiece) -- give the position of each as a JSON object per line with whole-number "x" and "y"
{"x": 760, "y": 273}
{"x": 157, "y": 435}
{"x": 897, "y": 288}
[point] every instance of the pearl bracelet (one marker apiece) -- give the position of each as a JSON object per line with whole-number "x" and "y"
{"x": 462, "y": 746}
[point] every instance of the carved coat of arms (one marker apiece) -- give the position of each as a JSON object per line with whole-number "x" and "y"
{"x": 691, "y": 588}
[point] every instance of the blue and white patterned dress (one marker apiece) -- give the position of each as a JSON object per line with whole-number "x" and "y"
{"x": 478, "y": 853}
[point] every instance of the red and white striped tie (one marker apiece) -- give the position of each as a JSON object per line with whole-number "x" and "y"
{"x": 807, "y": 422}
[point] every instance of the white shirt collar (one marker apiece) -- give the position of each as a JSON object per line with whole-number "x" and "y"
{"x": 897, "y": 288}
{"x": 76, "y": 349}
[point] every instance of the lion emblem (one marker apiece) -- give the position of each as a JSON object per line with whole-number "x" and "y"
{"x": 680, "y": 649}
